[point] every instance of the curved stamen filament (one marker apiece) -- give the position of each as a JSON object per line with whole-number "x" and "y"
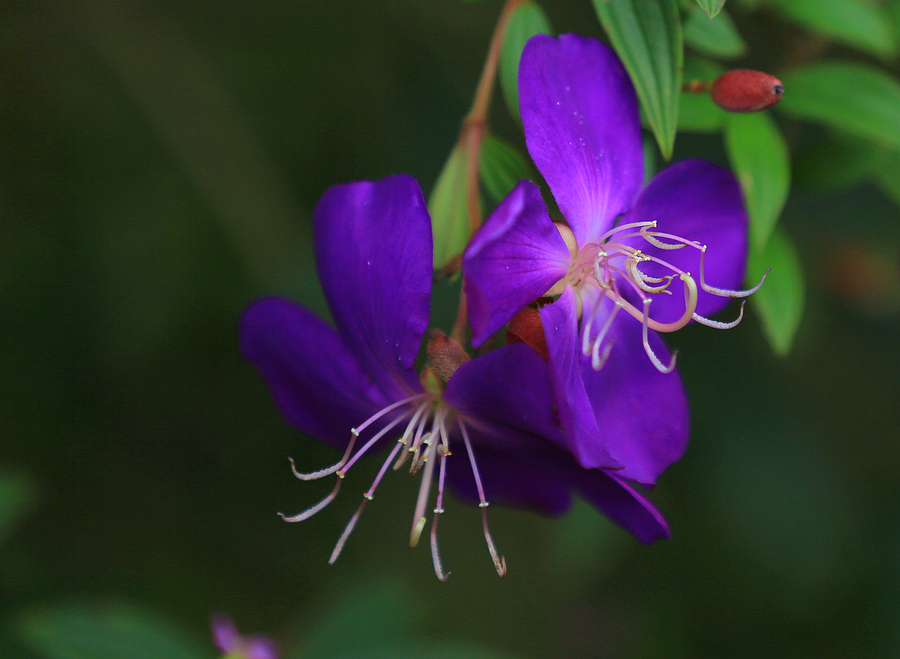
{"x": 718, "y": 324}
{"x": 338, "y": 548}
{"x": 309, "y": 512}
{"x": 643, "y": 226}
{"x": 652, "y": 355}
{"x": 724, "y": 292}
{"x": 499, "y": 561}
{"x": 381, "y": 433}
{"x": 443, "y": 453}
{"x": 328, "y": 470}
{"x": 690, "y": 296}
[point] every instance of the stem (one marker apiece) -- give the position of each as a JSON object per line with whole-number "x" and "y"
{"x": 471, "y": 135}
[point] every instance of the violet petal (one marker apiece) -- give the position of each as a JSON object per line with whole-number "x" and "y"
{"x": 575, "y": 408}
{"x": 516, "y": 257}
{"x": 508, "y": 387}
{"x": 642, "y": 414}
{"x": 374, "y": 253}
{"x": 623, "y": 504}
{"x": 582, "y": 127}
{"x": 315, "y": 381}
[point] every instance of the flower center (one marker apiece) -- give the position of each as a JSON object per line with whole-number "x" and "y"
{"x": 425, "y": 444}
{"x": 613, "y": 268}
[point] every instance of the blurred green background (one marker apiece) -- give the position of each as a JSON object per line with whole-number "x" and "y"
{"x": 158, "y": 165}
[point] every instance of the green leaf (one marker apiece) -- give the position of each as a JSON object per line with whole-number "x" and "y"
{"x": 647, "y": 37}
{"x": 779, "y": 303}
{"x": 759, "y": 158}
{"x": 855, "y": 98}
{"x": 839, "y": 161}
{"x": 888, "y": 178}
{"x": 716, "y": 38}
{"x": 500, "y": 167}
{"x": 711, "y": 7}
{"x": 527, "y": 20}
{"x": 449, "y": 208}
{"x": 855, "y": 22}
{"x": 91, "y": 631}
{"x": 697, "y": 112}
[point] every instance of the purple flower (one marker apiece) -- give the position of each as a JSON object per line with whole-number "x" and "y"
{"x": 618, "y": 271}
{"x": 355, "y": 387}
{"x": 235, "y": 646}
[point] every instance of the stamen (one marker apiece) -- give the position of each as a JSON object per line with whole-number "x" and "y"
{"x": 641, "y": 279}
{"x": 339, "y": 547}
{"x": 421, "y": 418}
{"x": 690, "y": 297}
{"x": 634, "y": 225}
{"x": 724, "y": 292}
{"x": 424, "y": 489}
{"x": 438, "y": 511}
{"x": 586, "y": 334}
{"x": 596, "y": 362}
{"x": 652, "y": 355}
{"x": 328, "y": 470}
{"x": 718, "y": 324}
{"x": 499, "y": 561}
{"x": 651, "y": 238}
{"x": 369, "y": 494}
{"x": 381, "y": 433}
{"x": 309, "y": 512}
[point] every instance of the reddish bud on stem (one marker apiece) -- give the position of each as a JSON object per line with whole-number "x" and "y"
{"x": 744, "y": 90}
{"x": 525, "y": 327}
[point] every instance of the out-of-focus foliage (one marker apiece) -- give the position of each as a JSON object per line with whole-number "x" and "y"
{"x": 527, "y": 20}
{"x": 647, "y": 36}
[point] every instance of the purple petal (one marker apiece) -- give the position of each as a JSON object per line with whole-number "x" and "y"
{"x": 576, "y": 414}
{"x": 510, "y": 479}
{"x": 623, "y": 504}
{"x": 699, "y": 201}
{"x": 507, "y": 388}
{"x": 315, "y": 381}
{"x": 373, "y": 251}
{"x": 641, "y": 414}
{"x": 582, "y": 128}
{"x": 516, "y": 257}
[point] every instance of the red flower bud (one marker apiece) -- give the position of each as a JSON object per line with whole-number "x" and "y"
{"x": 744, "y": 90}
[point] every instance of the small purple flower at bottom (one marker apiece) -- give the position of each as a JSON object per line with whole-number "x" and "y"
{"x": 619, "y": 271}
{"x": 234, "y": 646}
{"x": 355, "y": 387}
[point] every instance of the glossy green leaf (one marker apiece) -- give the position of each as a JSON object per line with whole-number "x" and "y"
{"x": 527, "y": 20}
{"x": 711, "y": 7}
{"x": 90, "y": 631}
{"x": 714, "y": 37}
{"x": 854, "y": 98}
{"x": 697, "y": 113}
{"x": 448, "y": 205}
{"x": 857, "y": 23}
{"x": 779, "y": 303}
{"x": 500, "y": 167}
{"x": 759, "y": 157}
{"x": 647, "y": 37}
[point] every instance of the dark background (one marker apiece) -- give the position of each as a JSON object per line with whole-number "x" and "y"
{"x": 158, "y": 165}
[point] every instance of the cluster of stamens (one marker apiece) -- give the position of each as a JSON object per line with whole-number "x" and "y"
{"x": 608, "y": 264}
{"x": 424, "y": 443}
